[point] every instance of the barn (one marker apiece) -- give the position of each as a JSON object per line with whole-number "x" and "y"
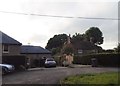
{"x": 36, "y": 55}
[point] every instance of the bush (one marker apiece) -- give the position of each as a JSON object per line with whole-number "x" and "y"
{"x": 85, "y": 60}
{"x": 57, "y": 59}
{"x": 111, "y": 60}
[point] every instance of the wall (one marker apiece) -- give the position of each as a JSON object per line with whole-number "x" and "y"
{"x": 13, "y": 50}
{"x": 0, "y": 53}
{"x": 37, "y": 57}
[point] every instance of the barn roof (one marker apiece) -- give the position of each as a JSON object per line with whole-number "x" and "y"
{"x": 28, "y": 49}
{"x": 5, "y": 39}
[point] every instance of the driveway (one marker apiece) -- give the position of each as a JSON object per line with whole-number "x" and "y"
{"x": 50, "y": 75}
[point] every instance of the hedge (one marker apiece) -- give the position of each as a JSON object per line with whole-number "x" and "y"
{"x": 110, "y": 60}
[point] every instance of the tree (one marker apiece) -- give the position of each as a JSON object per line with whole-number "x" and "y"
{"x": 77, "y": 38}
{"x": 94, "y": 35}
{"x": 56, "y": 42}
{"x": 118, "y": 48}
{"x": 67, "y": 49}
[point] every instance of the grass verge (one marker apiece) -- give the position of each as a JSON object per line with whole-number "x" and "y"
{"x": 110, "y": 79}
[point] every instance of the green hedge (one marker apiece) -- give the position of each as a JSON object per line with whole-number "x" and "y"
{"x": 102, "y": 59}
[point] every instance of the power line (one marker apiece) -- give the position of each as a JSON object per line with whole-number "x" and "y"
{"x": 97, "y": 18}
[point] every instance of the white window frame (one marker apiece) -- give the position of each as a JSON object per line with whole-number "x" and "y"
{"x": 80, "y": 51}
{"x": 5, "y": 51}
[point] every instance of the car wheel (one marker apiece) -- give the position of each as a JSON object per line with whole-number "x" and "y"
{"x": 4, "y": 71}
{"x": 46, "y": 67}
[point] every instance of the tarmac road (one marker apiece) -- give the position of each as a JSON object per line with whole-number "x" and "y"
{"x": 50, "y": 75}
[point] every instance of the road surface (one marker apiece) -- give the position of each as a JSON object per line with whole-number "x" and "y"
{"x": 49, "y": 75}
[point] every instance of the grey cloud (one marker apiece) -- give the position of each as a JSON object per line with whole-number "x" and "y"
{"x": 60, "y": 25}
{"x": 38, "y": 38}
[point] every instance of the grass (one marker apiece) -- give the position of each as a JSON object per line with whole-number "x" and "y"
{"x": 101, "y": 78}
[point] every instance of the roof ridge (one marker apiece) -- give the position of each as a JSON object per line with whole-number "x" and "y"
{"x": 33, "y": 49}
{"x": 6, "y": 39}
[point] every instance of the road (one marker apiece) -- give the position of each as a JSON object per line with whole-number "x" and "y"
{"x": 49, "y": 75}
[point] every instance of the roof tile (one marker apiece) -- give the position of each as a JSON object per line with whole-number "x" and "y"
{"x": 27, "y": 49}
{"x": 5, "y": 39}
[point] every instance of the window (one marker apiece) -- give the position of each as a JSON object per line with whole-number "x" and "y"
{"x": 5, "y": 49}
{"x": 80, "y": 51}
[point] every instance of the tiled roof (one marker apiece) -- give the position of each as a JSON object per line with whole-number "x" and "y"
{"x": 84, "y": 45}
{"x": 28, "y": 49}
{"x": 5, "y": 39}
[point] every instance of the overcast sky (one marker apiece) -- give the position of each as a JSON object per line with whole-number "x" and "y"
{"x": 37, "y": 30}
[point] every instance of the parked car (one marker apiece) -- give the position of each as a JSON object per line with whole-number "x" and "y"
{"x": 50, "y": 62}
{"x": 7, "y": 68}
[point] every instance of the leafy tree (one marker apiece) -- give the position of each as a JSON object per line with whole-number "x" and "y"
{"x": 77, "y": 38}
{"x": 68, "y": 49}
{"x": 118, "y": 48}
{"x": 94, "y": 35}
{"x": 56, "y": 42}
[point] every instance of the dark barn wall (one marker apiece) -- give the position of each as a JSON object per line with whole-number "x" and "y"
{"x": 36, "y": 60}
{"x": 16, "y": 60}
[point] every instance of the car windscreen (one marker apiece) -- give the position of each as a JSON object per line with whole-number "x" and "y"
{"x": 50, "y": 60}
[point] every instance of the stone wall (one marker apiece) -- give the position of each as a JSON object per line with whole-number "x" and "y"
{"x": 13, "y": 50}
{"x": 36, "y": 59}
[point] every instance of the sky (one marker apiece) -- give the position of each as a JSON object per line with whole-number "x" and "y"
{"x": 37, "y": 30}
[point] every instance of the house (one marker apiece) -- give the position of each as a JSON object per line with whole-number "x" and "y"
{"x": 9, "y": 45}
{"x": 85, "y": 47}
{"x": 36, "y": 55}
{"x": 10, "y": 51}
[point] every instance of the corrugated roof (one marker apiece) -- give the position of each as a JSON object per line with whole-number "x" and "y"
{"x": 28, "y": 49}
{"x": 5, "y": 39}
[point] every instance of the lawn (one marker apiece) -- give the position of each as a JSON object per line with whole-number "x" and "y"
{"x": 101, "y": 78}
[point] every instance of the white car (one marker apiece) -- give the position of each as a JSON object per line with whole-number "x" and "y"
{"x": 7, "y": 68}
{"x": 50, "y": 62}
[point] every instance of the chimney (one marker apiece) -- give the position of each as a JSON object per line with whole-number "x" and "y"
{"x": 68, "y": 39}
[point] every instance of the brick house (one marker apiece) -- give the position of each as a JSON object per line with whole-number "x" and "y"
{"x": 35, "y": 55}
{"x": 85, "y": 47}
{"x": 10, "y": 51}
{"x": 9, "y": 45}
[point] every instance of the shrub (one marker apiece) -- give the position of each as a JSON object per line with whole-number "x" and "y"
{"x": 102, "y": 59}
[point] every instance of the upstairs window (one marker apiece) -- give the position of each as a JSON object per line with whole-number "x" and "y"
{"x": 5, "y": 49}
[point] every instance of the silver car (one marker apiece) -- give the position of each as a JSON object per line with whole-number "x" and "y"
{"x": 50, "y": 62}
{"x": 7, "y": 68}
